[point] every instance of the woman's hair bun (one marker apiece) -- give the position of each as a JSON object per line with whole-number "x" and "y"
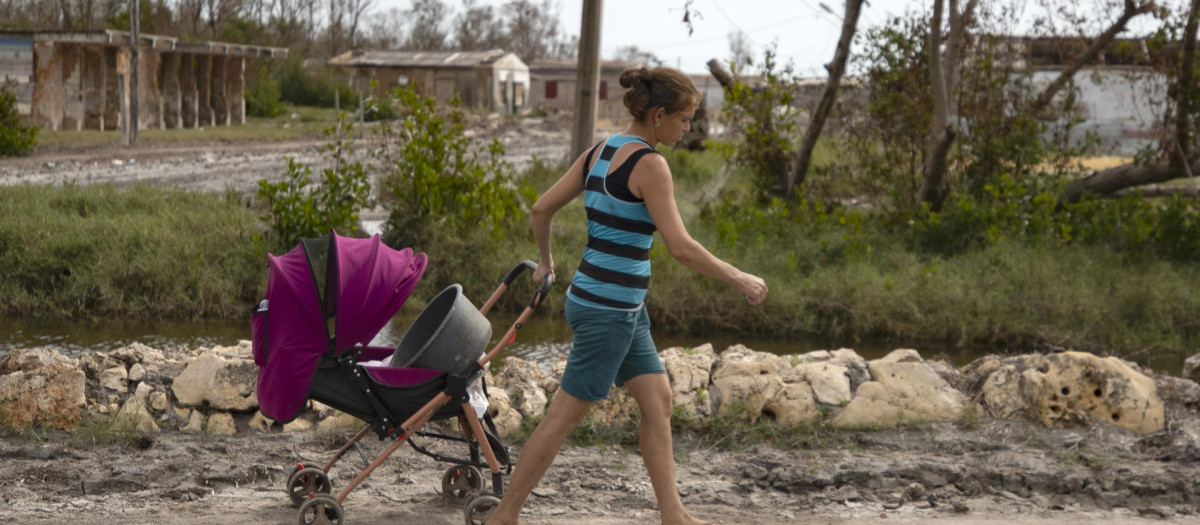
{"x": 632, "y": 76}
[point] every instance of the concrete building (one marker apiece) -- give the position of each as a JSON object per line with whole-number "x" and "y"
{"x": 494, "y": 80}
{"x": 80, "y": 80}
{"x": 553, "y": 88}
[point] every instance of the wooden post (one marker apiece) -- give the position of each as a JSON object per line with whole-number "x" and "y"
{"x": 587, "y": 80}
{"x": 134, "y": 22}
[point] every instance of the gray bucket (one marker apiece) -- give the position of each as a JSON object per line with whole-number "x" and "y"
{"x": 449, "y": 334}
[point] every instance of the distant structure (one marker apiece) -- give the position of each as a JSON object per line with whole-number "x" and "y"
{"x": 79, "y": 80}
{"x": 553, "y": 87}
{"x": 494, "y": 80}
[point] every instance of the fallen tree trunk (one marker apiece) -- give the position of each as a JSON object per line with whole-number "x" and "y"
{"x": 1112, "y": 180}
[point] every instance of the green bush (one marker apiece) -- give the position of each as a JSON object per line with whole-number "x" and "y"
{"x": 263, "y": 96}
{"x": 297, "y": 86}
{"x": 435, "y": 183}
{"x": 296, "y": 208}
{"x": 15, "y": 139}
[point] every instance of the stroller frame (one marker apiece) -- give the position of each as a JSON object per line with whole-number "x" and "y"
{"x": 309, "y": 486}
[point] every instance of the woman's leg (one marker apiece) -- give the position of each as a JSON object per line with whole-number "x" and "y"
{"x": 564, "y": 414}
{"x": 653, "y": 395}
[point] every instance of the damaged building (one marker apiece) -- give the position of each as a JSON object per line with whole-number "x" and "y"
{"x": 494, "y": 80}
{"x": 80, "y": 80}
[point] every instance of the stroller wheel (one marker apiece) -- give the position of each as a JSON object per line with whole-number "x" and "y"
{"x": 302, "y": 466}
{"x": 306, "y": 482}
{"x": 461, "y": 482}
{"x": 480, "y": 508}
{"x": 321, "y": 510}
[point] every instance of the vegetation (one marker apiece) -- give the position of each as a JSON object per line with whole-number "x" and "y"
{"x": 15, "y": 139}
{"x": 295, "y": 210}
{"x": 142, "y": 252}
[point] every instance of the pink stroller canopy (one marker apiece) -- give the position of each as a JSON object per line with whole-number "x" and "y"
{"x": 323, "y": 297}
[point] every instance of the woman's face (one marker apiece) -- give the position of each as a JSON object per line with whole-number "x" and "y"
{"x": 674, "y": 125}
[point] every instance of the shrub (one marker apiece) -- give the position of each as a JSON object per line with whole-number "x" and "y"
{"x": 435, "y": 183}
{"x": 15, "y": 139}
{"x": 296, "y": 208}
{"x": 262, "y": 96}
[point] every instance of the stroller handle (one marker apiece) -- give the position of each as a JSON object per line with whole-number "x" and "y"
{"x": 512, "y": 275}
{"x": 543, "y": 291}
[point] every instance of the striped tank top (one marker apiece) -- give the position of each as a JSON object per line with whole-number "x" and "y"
{"x": 615, "y": 271}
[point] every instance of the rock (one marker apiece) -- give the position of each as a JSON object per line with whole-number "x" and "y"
{"x": 137, "y": 372}
{"x": 792, "y": 403}
{"x": 507, "y": 419}
{"x": 195, "y": 423}
{"x": 260, "y": 422}
{"x": 297, "y": 425}
{"x": 115, "y": 378}
{"x": 1071, "y": 389}
{"x": 902, "y": 355}
{"x": 901, "y": 390}
{"x": 616, "y": 411}
{"x": 830, "y": 381}
{"x": 530, "y": 400}
{"x": 29, "y": 360}
{"x": 134, "y": 411}
{"x": 225, "y": 384}
{"x": 689, "y": 372}
{"x": 220, "y": 424}
{"x": 743, "y": 379}
{"x": 52, "y": 395}
{"x": 337, "y": 422}
{"x": 159, "y": 401}
{"x": 1191, "y": 368}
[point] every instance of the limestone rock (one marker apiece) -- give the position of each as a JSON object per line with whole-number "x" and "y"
{"x": 28, "y": 360}
{"x": 1191, "y": 368}
{"x": 195, "y": 423}
{"x": 902, "y": 390}
{"x": 1074, "y": 388}
{"x": 830, "y": 381}
{"x": 617, "y": 410}
{"x": 297, "y": 425}
{"x": 225, "y": 384}
{"x": 220, "y": 424}
{"x": 338, "y": 422}
{"x": 260, "y": 422}
{"x": 52, "y": 395}
{"x": 530, "y": 401}
{"x": 137, "y": 372}
{"x": 159, "y": 401}
{"x": 507, "y": 418}
{"x": 115, "y": 378}
{"x": 751, "y": 381}
{"x": 134, "y": 410}
{"x": 689, "y": 372}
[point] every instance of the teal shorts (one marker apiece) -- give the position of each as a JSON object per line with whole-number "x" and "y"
{"x": 609, "y": 347}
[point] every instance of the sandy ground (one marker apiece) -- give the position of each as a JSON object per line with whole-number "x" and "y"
{"x": 999, "y": 473}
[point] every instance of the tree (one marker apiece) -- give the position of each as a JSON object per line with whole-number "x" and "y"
{"x": 821, "y": 112}
{"x": 478, "y": 28}
{"x": 427, "y": 31}
{"x": 533, "y": 28}
{"x": 634, "y": 53}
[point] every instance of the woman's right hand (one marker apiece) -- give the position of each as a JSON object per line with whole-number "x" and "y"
{"x": 543, "y": 269}
{"x": 752, "y": 286}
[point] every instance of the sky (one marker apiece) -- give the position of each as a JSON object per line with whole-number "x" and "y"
{"x": 803, "y": 32}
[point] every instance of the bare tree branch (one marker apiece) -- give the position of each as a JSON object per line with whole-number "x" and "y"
{"x": 836, "y": 69}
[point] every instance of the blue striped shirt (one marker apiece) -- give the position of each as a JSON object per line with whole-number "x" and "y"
{"x": 615, "y": 271}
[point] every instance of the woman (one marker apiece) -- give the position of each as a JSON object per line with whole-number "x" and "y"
{"x": 628, "y": 193}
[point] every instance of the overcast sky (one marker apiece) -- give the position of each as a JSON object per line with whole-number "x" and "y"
{"x": 805, "y": 31}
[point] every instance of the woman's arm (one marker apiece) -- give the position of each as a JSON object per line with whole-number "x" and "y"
{"x": 569, "y": 186}
{"x": 651, "y": 181}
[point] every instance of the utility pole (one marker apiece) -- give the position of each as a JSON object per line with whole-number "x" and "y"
{"x": 135, "y": 18}
{"x": 587, "y": 80}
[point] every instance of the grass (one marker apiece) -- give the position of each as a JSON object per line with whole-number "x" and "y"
{"x": 142, "y": 252}
{"x": 108, "y": 429}
{"x": 297, "y": 122}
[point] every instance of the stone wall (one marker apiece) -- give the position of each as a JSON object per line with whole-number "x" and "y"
{"x": 213, "y": 390}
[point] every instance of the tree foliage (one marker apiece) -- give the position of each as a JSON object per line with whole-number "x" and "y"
{"x": 15, "y": 139}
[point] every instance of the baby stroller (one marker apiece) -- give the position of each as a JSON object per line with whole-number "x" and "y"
{"x": 325, "y": 301}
